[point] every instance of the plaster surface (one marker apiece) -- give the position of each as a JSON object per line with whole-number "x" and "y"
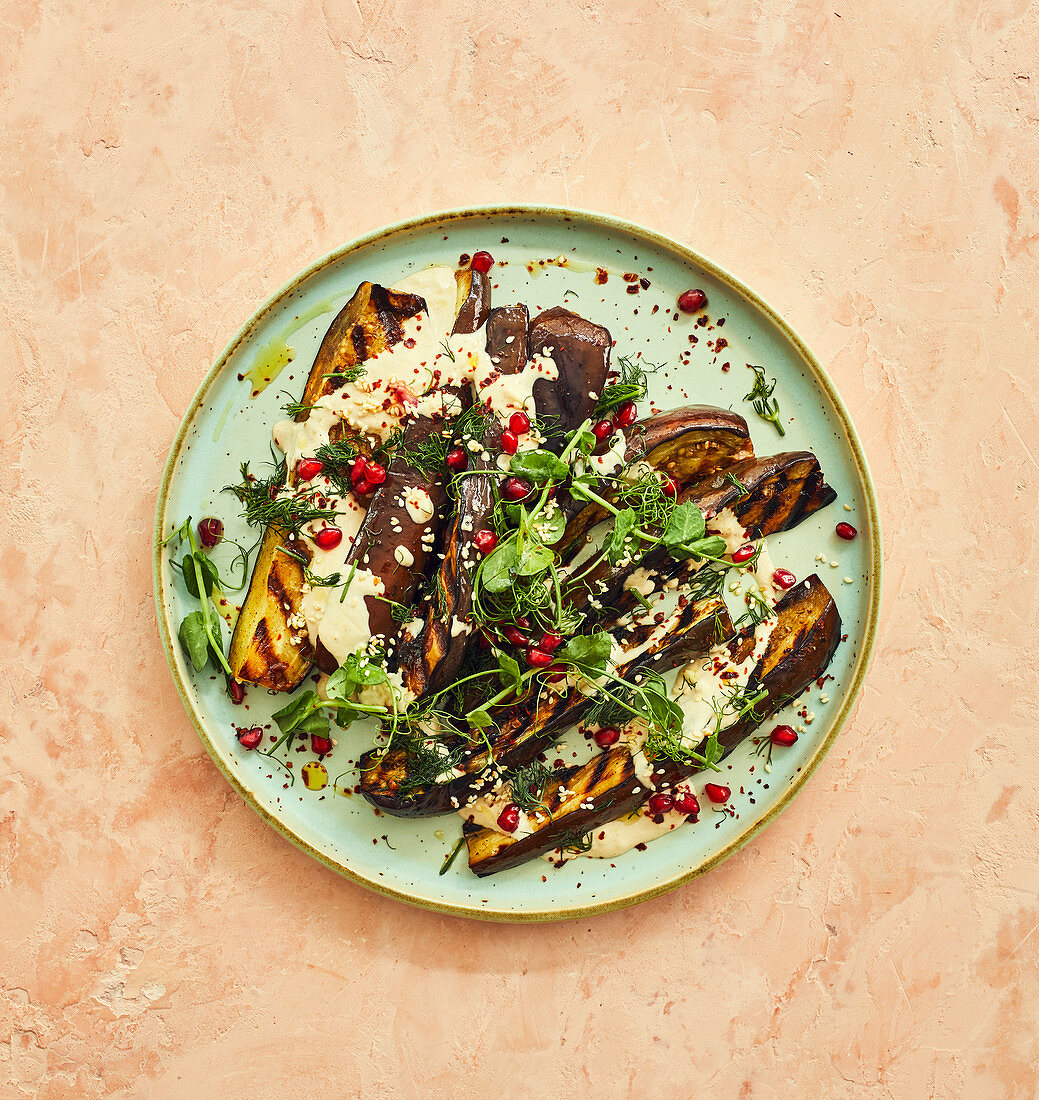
{"x": 872, "y": 172}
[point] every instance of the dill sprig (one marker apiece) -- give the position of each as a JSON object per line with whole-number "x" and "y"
{"x": 758, "y": 610}
{"x": 760, "y": 396}
{"x": 631, "y": 385}
{"x": 351, "y": 374}
{"x": 527, "y": 785}
{"x": 428, "y": 457}
{"x": 576, "y": 841}
{"x": 429, "y": 761}
{"x": 264, "y": 505}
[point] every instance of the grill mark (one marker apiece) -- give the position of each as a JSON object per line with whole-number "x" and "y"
{"x": 277, "y": 590}
{"x": 359, "y": 341}
{"x": 392, "y": 308}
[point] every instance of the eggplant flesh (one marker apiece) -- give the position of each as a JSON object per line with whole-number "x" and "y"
{"x": 262, "y": 650}
{"x": 532, "y": 724}
{"x": 582, "y": 799}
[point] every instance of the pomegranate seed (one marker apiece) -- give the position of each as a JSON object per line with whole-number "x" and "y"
{"x": 745, "y": 553}
{"x": 482, "y": 262}
{"x": 487, "y": 639}
{"x": 552, "y": 490}
{"x": 514, "y": 636}
{"x": 626, "y": 415}
{"x": 846, "y": 531}
{"x": 485, "y": 541}
{"x": 320, "y": 744}
{"x": 509, "y": 442}
{"x": 308, "y": 468}
{"x": 692, "y": 301}
{"x": 250, "y": 739}
{"x": 550, "y": 642}
{"x": 606, "y": 737}
{"x": 375, "y": 474}
{"x": 717, "y": 793}
{"x": 457, "y": 459}
{"x": 210, "y": 531}
{"x": 538, "y": 658}
{"x": 783, "y": 578}
{"x": 235, "y": 691}
{"x": 519, "y": 423}
{"x": 515, "y": 488}
{"x": 364, "y": 487}
{"x": 508, "y": 819}
{"x": 602, "y": 429}
{"x": 685, "y": 803}
{"x": 523, "y": 622}
{"x": 661, "y": 802}
{"x": 669, "y": 487}
{"x": 360, "y": 464}
{"x": 328, "y": 538}
{"x": 783, "y": 735}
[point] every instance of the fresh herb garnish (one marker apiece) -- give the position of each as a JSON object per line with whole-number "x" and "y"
{"x": 760, "y": 396}
{"x": 201, "y": 631}
{"x": 266, "y": 505}
{"x": 527, "y": 786}
{"x": 631, "y": 385}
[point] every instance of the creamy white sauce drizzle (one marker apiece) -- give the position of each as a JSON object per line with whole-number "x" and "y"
{"x": 486, "y": 809}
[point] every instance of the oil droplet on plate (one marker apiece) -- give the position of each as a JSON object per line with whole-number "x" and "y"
{"x": 315, "y": 776}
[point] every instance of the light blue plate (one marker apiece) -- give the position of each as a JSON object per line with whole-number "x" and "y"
{"x": 226, "y": 425}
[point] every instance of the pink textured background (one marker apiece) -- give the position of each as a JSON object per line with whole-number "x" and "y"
{"x": 872, "y": 171}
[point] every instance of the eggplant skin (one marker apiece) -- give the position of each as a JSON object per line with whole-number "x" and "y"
{"x": 262, "y": 651}
{"x": 503, "y": 322}
{"x": 473, "y": 300}
{"x": 802, "y": 644}
{"x": 531, "y": 725}
{"x": 580, "y": 350}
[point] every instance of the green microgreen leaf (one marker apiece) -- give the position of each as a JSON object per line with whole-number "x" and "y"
{"x": 538, "y": 466}
{"x": 192, "y": 635}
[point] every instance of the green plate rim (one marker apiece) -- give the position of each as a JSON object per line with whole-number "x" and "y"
{"x": 686, "y": 254}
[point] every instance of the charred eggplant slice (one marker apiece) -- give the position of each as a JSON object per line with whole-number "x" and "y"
{"x": 391, "y": 542}
{"x": 262, "y": 651}
{"x": 582, "y": 799}
{"x": 431, "y": 659}
{"x": 580, "y": 350}
{"x": 387, "y": 780}
{"x": 688, "y": 444}
{"x": 766, "y": 495}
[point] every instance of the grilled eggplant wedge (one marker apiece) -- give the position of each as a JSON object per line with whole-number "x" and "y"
{"x": 688, "y": 444}
{"x": 387, "y": 780}
{"x": 766, "y": 495}
{"x": 262, "y": 651}
{"x": 388, "y": 523}
{"x": 580, "y": 350}
{"x": 431, "y": 659}
{"x": 582, "y": 799}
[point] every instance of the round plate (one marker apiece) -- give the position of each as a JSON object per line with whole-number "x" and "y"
{"x": 705, "y": 363}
